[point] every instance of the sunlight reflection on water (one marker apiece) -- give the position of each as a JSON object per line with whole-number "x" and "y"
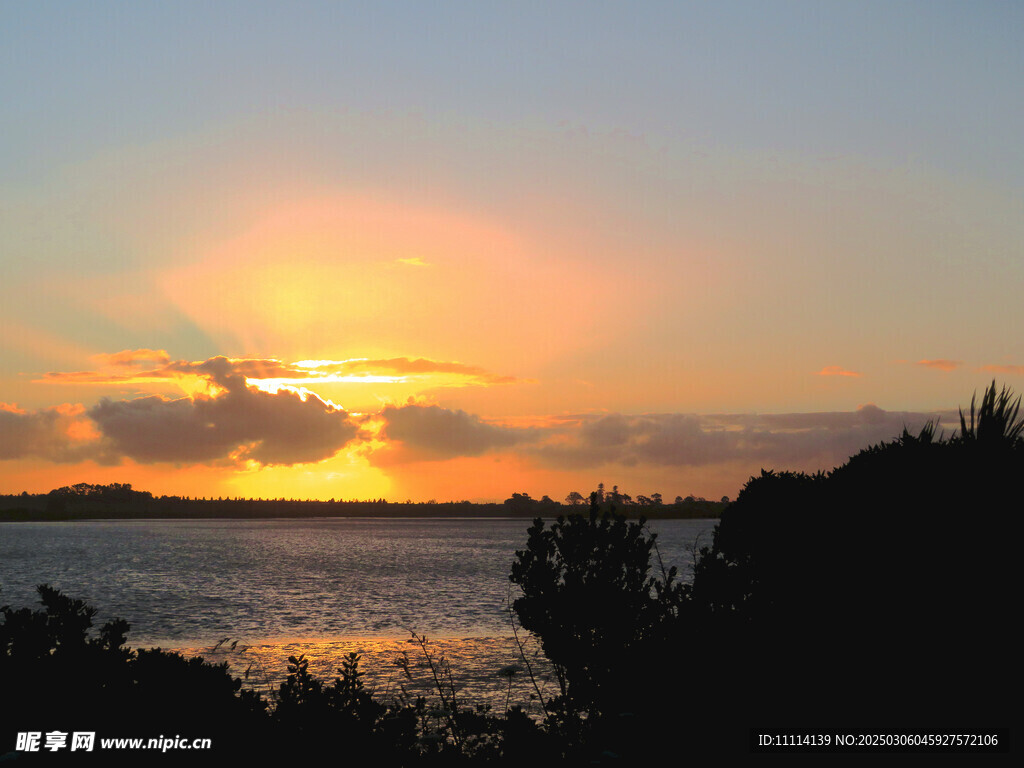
{"x": 319, "y": 587}
{"x": 474, "y": 663}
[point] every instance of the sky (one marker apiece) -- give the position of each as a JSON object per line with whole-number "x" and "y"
{"x": 455, "y": 250}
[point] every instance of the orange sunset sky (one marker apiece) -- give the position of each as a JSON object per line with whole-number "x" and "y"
{"x": 458, "y": 250}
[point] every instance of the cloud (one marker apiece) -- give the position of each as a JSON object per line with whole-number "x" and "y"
{"x": 268, "y": 373}
{"x": 231, "y": 421}
{"x": 59, "y": 434}
{"x": 133, "y": 357}
{"x": 429, "y": 432}
{"x": 940, "y": 364}
{"x": 249, "y": 409}
{"x": 835, "y": 370}
{"x": 241, "y": 423}
{"x": 93, "y": 377}
{"x": 630, "y": 440}
{"x": 1008, "y": 370}
{"x": 869, "y": 414}
{"x": 217, "y": 369}
{"x": 115, "y": 365}
{"x": 780, "y": 440}
{"x": 423, "y": 367}
{"x": 415, "y": 261}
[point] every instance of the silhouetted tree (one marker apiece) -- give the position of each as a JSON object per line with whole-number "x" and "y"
{"x": 520, "y": 500}
{"x": 589, "y": 595}
{"x": 890, "y": 567}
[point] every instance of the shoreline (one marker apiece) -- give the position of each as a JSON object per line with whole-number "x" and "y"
{"x": 475, "y": 664}
{"x": 37, "y": 516}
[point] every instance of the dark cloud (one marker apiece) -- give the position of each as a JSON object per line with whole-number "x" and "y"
{"x": 629, "y": 440}
{"x": 869, "y": 414}
{"x": 608, "y": 431}
{"x": 133, "y": 357}
{"x": 241, "y": 422}
{"x": 683, "y": 439}
{"x": 236, "y": 422}
{"x": 779, "y": 440}
{"x": 432, "y": 432}
{"x": 225, "y": 369}
{"x": 54, "y": 434}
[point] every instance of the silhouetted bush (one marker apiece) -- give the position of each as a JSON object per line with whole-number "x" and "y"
{"x": 56, "y": 673}
{"x": 878, "y": 594}
{"x": 604, "y": 619}
{"x": 314, "y": 719}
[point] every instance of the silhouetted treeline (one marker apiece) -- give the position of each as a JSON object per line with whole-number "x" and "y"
{"x": 650, "y": 507}
{"x": 85, "y": 501}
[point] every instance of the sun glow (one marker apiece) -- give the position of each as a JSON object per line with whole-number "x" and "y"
{"x": 324, "y": 277}
{"x": 296, "y": 384}
{"x": 346, "y": 475}
{"x": 318, "y": 364}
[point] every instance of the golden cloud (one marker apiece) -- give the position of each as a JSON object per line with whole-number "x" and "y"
{"x": 835, "y": 370}
{"x": 133, "y": 357}
{"x": 940, "y": 364}
{"x": 268, "y": 373}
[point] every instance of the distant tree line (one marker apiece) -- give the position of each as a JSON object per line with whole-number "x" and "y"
{"x": 652, "y": 507}
{"x": 120, "y": 501}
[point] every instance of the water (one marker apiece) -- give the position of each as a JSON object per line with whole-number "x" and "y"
{"x": 323, "y": 587}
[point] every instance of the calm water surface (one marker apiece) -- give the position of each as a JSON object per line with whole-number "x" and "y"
{"x": 318, "y": 586}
